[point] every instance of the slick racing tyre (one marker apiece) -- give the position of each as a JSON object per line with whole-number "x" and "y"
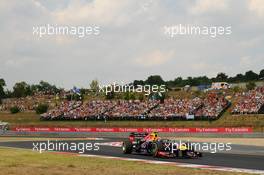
{"x": 127, "y": 147}
{"x": 156, "y": 147}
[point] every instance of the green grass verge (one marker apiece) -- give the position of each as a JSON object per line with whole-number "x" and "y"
{"x": 14, "y": 161}
{"x": 227, "y": 120}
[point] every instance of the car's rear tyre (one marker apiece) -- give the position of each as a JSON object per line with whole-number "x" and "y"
{"x": 127, "y": 147}
{"x": 200, "y": 154}
{"x": 155, "y": 148}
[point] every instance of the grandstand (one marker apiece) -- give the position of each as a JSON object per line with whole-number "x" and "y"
{"x": 210, "y": 107}
{"x": 28, "y": 103}
{"x": 251, "y": 102}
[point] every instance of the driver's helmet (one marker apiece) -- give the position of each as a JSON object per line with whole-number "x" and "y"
{"x": 153, "y": 136}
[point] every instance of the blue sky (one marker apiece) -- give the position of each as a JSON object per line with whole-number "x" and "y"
{"x": 131, "y": 44}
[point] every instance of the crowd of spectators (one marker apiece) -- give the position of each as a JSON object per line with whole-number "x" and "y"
{"x": 91, "y": 109}
{"x": 98, "y": 109}
{"x": 172, "y": 108}
{"x": 62, "y": 110}
{"x": 28, "y": 103}
{"x": 212, "y": 106}
{"x": 130, "y": 109}
{"x": 249, "y": 102}
{"x": 200, "y": 108}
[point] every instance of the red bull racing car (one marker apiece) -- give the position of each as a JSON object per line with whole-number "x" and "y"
{"x": 151, "y": 144}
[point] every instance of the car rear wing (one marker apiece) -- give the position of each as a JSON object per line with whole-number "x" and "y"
{"x": 138, "y": 134}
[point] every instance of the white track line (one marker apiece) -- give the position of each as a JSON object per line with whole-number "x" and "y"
{"x": 185, "y": 165}
{"x": 113, "y": 144}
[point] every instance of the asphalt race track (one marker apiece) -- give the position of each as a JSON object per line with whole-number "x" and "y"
{"x": 245, "y": 161}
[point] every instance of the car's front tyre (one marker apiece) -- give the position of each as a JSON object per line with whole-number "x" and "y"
{"x": 127, "y": 147}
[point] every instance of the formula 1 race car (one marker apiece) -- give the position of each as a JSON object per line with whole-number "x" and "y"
{"x": 151, "y": 144}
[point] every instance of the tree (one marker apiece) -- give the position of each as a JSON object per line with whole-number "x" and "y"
{"x": 221, "y": 77}
{"x": 94, "y": 86}
{"x": 47, "y": 87}
{"x": 44, "y": 87}
{"x": 138, "y": 82}
{"x": 178, "y": 81}
{"x": 239, "y": 78}
{"x": 110, "y": 95}
{"x": 14, "y": 110}
{"x": 141, "y": 97}
{"x": 190, "y": 81}
{"x": 129, "y": 96}
{"x": 2, "y": 92}
{"x": 203, "y": 80}
{"x": 82, "y": 91}
{"x": 126, "y": 96}
{"x": 261, "y": 74}
{"x": 21, "y": 89}
{"x": 42, "y": 108}
{"x": 155, "y": 80}
{"x": 2, "y": 82}
{"x": 251, "y": 76}
{"x": 236, "y": 89}
{"x": 251, "y": 85}
{"x": 8, "y": 94}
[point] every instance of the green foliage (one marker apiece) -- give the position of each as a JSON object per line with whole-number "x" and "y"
{"x": 138, "y": 82}
{"x": 76, "y": 97}
{"x": 21, "y": 89}
{"x": 82, "y": 91}
{"x": 2, "y": 82}
{"x": 155, "y": 80}
{"x": 110, "y": 95}
{"x": 14, "y": 110}
{"x": 197, "y": 93}
{"x": 236, "y": 89}
{"x": 238, "y": 78}
{"x": 202, "y": 80}
{"x": 157, "y": 96}
{"x": 141, "y": 97}
{"x": 129, "y": 96}
{"x": 2, "y": 92}
{"x": 46, "y": 87}
{"x": 132, "y": 96}
{"x": 250, "y": 76}
{"x": 42, "y": 108}
{"x": 94, "y": 86}
{"x": 126, "y": 96}
{"x": 251, "y": 85}
{"x": 221, "y": 77}
{"x": 261, "y": 74}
